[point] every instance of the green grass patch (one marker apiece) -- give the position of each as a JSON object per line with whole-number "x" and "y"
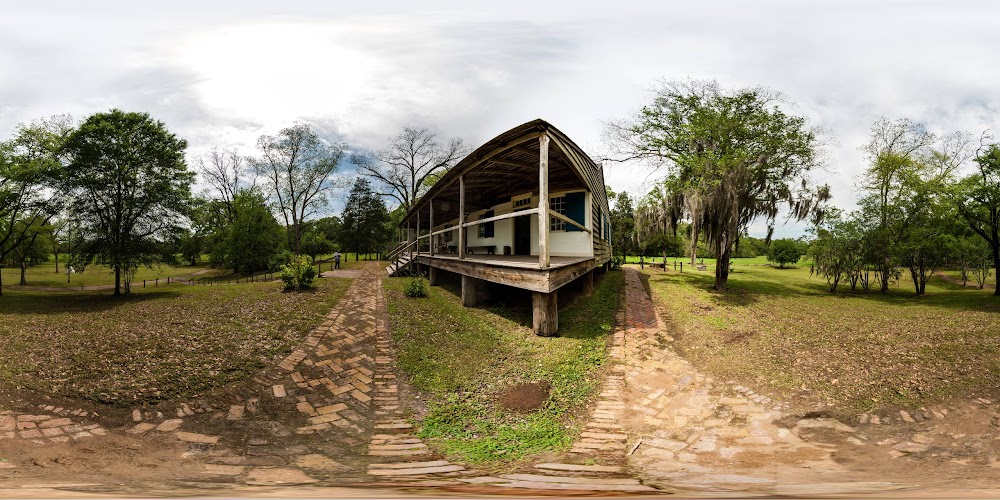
{"x": 156, "y": 344}
{"x": 96, "y": 274}
{"x": 464, "y": 358}
{"x": 781, "y": 331}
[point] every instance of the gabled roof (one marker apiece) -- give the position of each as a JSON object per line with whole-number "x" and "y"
{"x": 508, "y": 165}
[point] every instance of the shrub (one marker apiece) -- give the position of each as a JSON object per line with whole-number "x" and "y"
{"x": 784, "y": 251}
{"x": 299, "y": 273}
{"x": 415, "y": 287}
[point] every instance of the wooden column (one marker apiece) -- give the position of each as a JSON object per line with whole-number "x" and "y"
{"x": 543, "y": 202}
{"x": 431, "y": 239}
{"x": 470, "y": 291}
{"x": 418, "y": 231}
{"x": 545, "y": 313}
{"x": 588, "y": 283}
{"x": 409, "y": 236}
{"x": 461, "y": 220}
{"x": 432, "y": 275}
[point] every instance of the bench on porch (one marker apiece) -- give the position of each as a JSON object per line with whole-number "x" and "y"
{"x": 490, "y": 249}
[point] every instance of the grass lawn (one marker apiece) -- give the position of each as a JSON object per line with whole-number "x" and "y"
{"x": 165, "y": 343}
{"x": 781, "y": 331}
{"x": 464, "y": 358}
{"x": 748, "y": 261}
{"x": 44, "y": 275}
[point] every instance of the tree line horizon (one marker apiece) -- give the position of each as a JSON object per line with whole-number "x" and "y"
{"x": 117, "y": 189}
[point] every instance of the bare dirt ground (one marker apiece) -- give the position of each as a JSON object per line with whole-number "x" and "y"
{"x": 332, "y": 419}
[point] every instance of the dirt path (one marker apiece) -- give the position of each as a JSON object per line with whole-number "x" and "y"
{"x": 986, "y": 286}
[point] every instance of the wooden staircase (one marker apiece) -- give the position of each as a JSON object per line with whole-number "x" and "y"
{"x": 399, "y": 259}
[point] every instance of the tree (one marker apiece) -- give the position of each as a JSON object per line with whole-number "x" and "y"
{"x": 409, "y": 164}
{"x": 329, "y": 227}
{"x": 784, "y": 251}
{"x": 131, "y": 189}
{"x": 30, "y": 191}
{"x": 226, "y": 172}
{"x": 364, "y": 221}
{"x": 978, "y": 200}
{"x": 730, "y": 157}
{"x": 255, "y": 240}
{"x": 299, "y": 168}
{"x": 314, "y": 244}
{"x": 33, "y": 249}
{"x": 623, "y": 225}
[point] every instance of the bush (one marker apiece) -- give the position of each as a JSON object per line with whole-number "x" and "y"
{"x": 415, "y": 287}
{"x": 784, "y": 251}
{"x": 298, "y": 274}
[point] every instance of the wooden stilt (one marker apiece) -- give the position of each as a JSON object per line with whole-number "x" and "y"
{"x": 545, "y": 313}
{"x": 470, "y": 291}
{"x": 432, "y": 276}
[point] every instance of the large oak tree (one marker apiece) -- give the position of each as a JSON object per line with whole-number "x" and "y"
{"x": 30, "y": 191}
{"x": 131, "y": 189}
{"x": 738, "y": 154}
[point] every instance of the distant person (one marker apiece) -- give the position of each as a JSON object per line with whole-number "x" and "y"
{"x": 336, "y": 260}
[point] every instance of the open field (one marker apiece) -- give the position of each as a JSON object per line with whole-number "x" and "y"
{"x": 780, "y": 331}
{"x": 99, "y": 275}
{"x": 464, "y": 359}
{"x": 93, "y": 275}
{"x": 749, "y": 261}
{"x": 170, "y": 342}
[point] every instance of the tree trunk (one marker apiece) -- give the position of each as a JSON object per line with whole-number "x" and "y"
{"x": 57, "y": 262}
{"x": 996, "y": 266}
{"x": 721, "y": 265}
{"x": 24, "y": 269}
{"x": 118, "y": 280}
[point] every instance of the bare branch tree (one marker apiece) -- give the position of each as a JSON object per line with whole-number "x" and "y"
{"x": 410, "y": 163}
{"x": 227, "y": 172}
{"x": 299, "y": 168}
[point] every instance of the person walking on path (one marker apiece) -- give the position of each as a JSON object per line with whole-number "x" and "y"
{"x": 336, "y": 260}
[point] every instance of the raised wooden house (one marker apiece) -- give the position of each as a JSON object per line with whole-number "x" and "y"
{"x": 528, "y": 209}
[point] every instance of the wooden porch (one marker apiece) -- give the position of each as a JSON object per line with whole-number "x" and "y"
{"x": 521, "y": 271}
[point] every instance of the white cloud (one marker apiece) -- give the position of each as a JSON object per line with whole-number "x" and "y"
{"x": 225, "y": 72}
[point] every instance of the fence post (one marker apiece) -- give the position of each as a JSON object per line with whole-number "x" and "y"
{"x": 144, "y": 283}
{"x": 168, "y": 279}
{"x": 682, "y": 267}
{"x": 157, "y": 282}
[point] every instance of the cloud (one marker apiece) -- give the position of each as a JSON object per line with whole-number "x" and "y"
{"x": 223, "y": 73}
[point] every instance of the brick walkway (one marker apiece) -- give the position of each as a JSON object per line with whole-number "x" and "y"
{"x": 690, "y": 432}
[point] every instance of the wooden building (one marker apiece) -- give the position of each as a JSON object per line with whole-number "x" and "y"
{"x": 528, "y": 209}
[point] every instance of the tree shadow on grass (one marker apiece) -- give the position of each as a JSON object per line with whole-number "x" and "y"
{"x": 29, "y": 303}
{"x": 749, "y": 290}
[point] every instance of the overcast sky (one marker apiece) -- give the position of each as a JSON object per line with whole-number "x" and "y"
{"x": 223, "y": 73}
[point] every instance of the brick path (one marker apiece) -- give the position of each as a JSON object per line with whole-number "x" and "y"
{"x": 690, "y": 432}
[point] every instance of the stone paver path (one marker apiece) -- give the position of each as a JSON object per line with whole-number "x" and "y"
{"x": 690, "y": 432}
{"x": 397, "y": 453}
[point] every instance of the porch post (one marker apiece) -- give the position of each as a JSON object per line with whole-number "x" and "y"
{"x": 432, "y": 275}
{"x": 545, "y": 313}
{"x": 418, "y": 231}
{"x": 461, "y": 217}
{"x": 431, "y": 239}
{"x": 543, "y": 201}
